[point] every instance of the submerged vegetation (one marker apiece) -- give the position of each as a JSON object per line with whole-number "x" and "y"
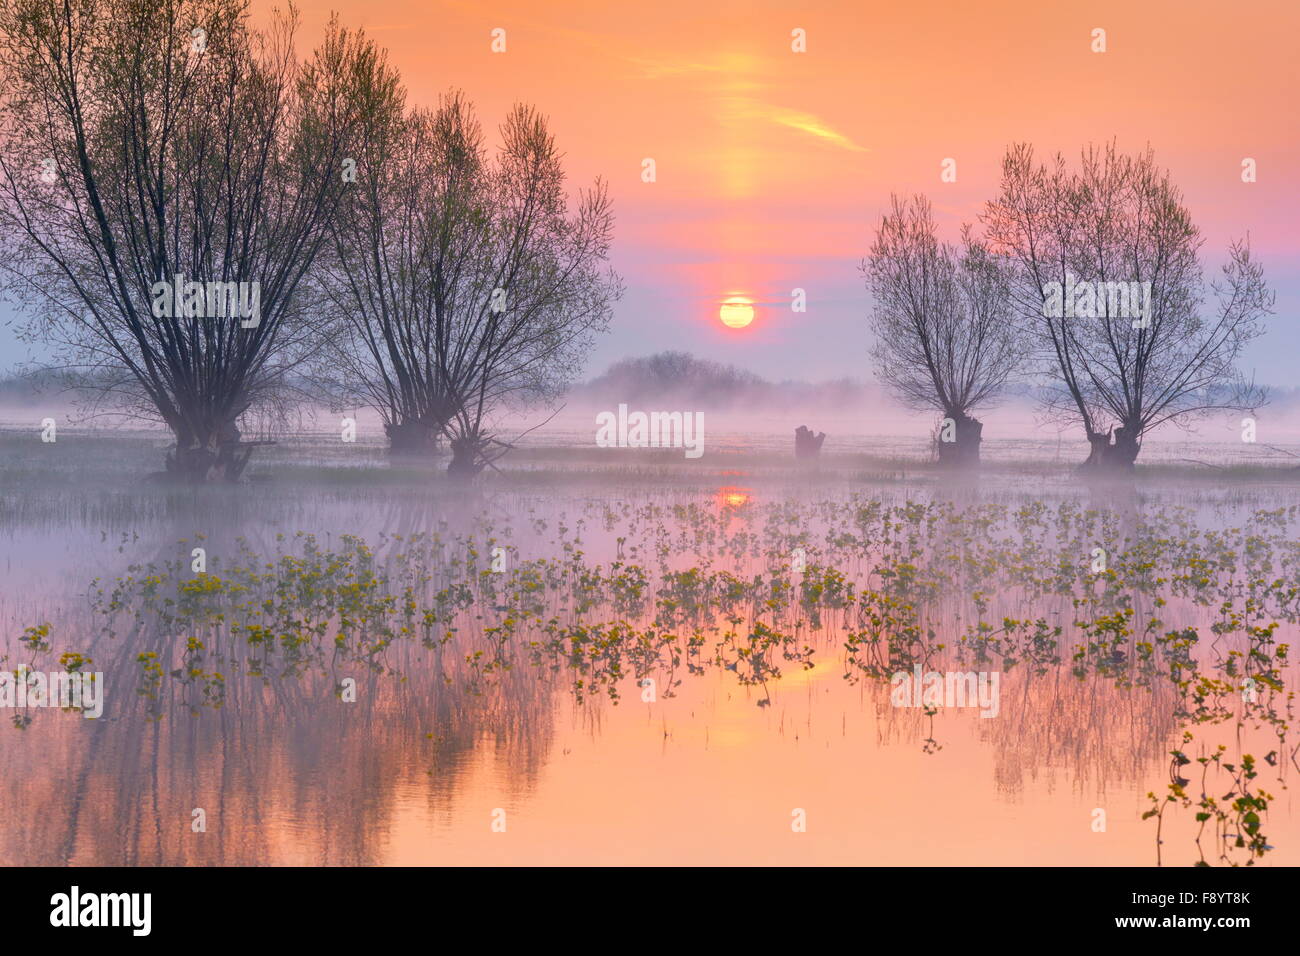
{"x": 1186, "y": 624}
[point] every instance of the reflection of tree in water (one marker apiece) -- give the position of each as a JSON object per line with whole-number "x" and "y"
{"x": 1099, "y": 735}
{"x": 1103, "y": 736}
{"x": 127, "y": 796}
{"x": 286, "y": 772}
{"x": 919, "y": 583}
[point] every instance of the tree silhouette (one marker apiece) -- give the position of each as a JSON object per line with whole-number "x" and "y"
{"x": 464, "y": 281}
{"x": 943, "y": 332}
{"x": 1115, "y": 222}
{"x": 152, "y": 142}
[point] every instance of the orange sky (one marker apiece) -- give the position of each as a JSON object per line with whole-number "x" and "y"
{"x": 773, "y": 166}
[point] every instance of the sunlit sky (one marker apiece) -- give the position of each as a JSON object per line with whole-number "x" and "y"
{"x": 772, "y": 167}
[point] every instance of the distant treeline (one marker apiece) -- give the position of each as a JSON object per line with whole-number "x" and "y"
{"x": 31, "y": 388}
{"x": 678, "y": 377}
{"x": 672, "y": 377}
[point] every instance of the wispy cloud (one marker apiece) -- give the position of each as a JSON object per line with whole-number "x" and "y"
{"x": 739, "y": 87}
{"x": 807, "y": 123}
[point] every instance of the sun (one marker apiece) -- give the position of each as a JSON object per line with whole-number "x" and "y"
{"x": 737, "y": 312}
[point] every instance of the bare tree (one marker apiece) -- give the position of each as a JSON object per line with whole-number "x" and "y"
{"x": 1109, "y": 285}
{"x": 167, "y": 175}
{"x": 465, "y": 282}
{"x": 410, "y": 242}
{"x": 944, "y": 337}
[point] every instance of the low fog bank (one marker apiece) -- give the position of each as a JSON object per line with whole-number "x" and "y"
{"x": 735, "y": 403}
{"x": 735, "y": 400}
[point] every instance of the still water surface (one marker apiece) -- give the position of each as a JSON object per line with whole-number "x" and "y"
{"x": 436, "y": 763}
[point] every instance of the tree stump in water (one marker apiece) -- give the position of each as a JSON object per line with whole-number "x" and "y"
{"x": 807, "y": 444}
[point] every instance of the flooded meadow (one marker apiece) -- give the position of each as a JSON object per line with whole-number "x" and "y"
{"x": 614, "y": 657}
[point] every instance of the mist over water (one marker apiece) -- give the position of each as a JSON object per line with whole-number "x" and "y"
{"x": 621, "y": 565}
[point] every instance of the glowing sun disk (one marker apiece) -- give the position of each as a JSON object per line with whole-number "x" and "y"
{"x": 737, "y": 312}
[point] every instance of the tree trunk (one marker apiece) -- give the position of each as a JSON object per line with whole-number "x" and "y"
{"x": 412, "y": 438}
{"x": 1115, "y": 451}
{"x": 466, "y": 460}
{"x": 216, "y": 456}
{"x": 963, "y": 450}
